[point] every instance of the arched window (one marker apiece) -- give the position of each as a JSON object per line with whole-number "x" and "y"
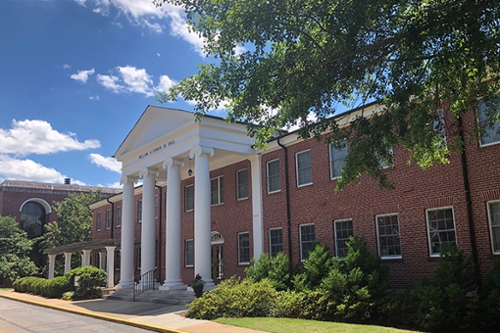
{"x": 33, "y": 219}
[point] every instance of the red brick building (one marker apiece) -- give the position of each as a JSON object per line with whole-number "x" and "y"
{"x": 250, "y": 208}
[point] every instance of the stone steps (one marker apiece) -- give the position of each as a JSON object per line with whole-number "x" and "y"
{"x": 173, "y": 297}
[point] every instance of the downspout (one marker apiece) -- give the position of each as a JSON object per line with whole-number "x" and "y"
{"x": 160, "y": 233}
{"x": 112, "y": 215}
{"x": 288, "y": 213}
{"x": 468, "y": 200}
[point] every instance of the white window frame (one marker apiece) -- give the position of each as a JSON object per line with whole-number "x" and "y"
{"x": 269, "y": 176}
{"x": 157, "y": 206}
{"x": 336, "y": 240}
{"x": 301, "y": 242}
{"x": 99, "y": 221}
{"x": 497, "y": 251}
{"x": 271, "y": 243}
{"x": 118, "y": 217}
{"x": 436, "y": 255}
{"x": 332, "y": 176}
{"x": 297, "y": 167}
{"x": 186, "y": 253}
{"x": 139, "y": 211}
{"x": 480, "y": 139}
{"x": 219, "y": 191}
{"x": 108, "y": 219}
{"x": 398, "y": 256}
{"x": 240, "y": 262}
{"x": 238, "y": 185}
{"x": 186, "y": 208}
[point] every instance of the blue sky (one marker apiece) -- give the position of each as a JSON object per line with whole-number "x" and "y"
{"x": 75, "y": 75}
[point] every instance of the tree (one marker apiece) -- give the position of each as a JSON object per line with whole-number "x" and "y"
{"x": 74, "y": 224}
{"x": 15, "y": 248}
{"x": 306, "y": 59}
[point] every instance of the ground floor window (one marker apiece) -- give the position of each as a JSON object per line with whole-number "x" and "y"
{"x": 275, "y": 241}
{"x": 494, "y": 218}
{"x": 244, "y": 248}
{"x": 389, "y": 244}
{"x": 307, "y": 240}
{"x": 189, "y": 253}
{"x": 343, "y": 230}
{"x": 441, "y": 228}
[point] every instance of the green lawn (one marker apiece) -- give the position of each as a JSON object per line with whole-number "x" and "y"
{"x": 287, "y": 325}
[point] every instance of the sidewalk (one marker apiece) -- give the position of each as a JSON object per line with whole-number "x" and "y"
{"x": 150, "y": 316}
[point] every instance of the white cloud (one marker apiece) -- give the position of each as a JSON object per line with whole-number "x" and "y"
{"x": 165, "y": 84}
{"x": 25, "y": 169}
{"x": 109, "y": 163}
{"x": 110, "y": 82}
{"x": 97, "y": 98}
{"x": 158, "y": 54}
{"x": 310, "y": 119}
{"x": 38, "y": 137}
{"x": 144, "y": 13}
{"x": 83, "y": 75}
{"x": 66, "y": 66}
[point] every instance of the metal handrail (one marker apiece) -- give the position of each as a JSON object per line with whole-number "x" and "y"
{"x": 146, "y": 282}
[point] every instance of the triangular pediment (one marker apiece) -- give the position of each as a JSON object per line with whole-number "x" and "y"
{"x": 154, "y": 123}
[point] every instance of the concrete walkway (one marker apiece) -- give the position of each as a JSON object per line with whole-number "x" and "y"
{"x": 150, "y": 316}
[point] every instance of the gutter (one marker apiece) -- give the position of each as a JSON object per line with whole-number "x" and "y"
{"x": 288, "y": 213}
{"x": 112, "y": 215}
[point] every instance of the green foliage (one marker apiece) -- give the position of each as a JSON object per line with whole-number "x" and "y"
{"x": 74, "y": 225}
{"x": 57, "y": 286}
{"x": 313, "y": 58}
{"x": 490, "y": 305}
{"x": 68, "y": 296}
{"x": 90, "y": 278}
{"x": 397, "y": 309}
{"x": 235, "y": 298}
{"x": 275, "y": 269}
{"x": 15, "y": 248}
{"x": 316, "y": 267}
{"x": 447, "y": 302}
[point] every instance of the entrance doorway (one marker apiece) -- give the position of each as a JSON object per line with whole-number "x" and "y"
{"x": 217, "y": 257}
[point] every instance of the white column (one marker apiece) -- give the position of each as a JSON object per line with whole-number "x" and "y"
{"x": 67, "y": 261}
{"x": 127, "y": 236}
{"x": 86, "y": 258}
{"x": 110, "y": 269}
{"x": 148, "y": 232}
{"x": 52, "y": 261}
{"x": 173, "y": 233}
{"x": 202, "y": 219}
{"x": 258, "y": 223}
{"x": 102, "y": 260}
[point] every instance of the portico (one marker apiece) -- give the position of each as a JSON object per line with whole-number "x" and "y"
{"x": 165, "y": 147}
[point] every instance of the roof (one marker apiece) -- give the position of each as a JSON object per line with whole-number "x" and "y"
{"x": 22, "y": 184}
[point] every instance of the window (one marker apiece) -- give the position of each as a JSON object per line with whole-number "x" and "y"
{"x": 189, "y": 198}
{"x": 275, "y": 241}
{"x": 387, "y": 163}
{"x": 156, "y": 206}
{"x": 389, "y": 245}
{"x": 343, "y": 230}
{"x": 242, "y": 184}
{"x": 494, "y": 217}
{"x": 273, "y": 176}
{"x": 217, "y": 191}
{"x": 108, "y": 219}
{"x": 189, "y": 253}
{"x": 307, "y": 240}
{"x": 304, "y": 168}
{"x": 441, "y": 227}
{"x": 337, "y": 159}
{"x": 139, "y": 211}
{"x": 33, "y": 219}
{"x": 489, "y": 135}
{"x": 99, "y": 221}
{"x": 118, "y": 217}
{"x": 138, "y": 258}
{"x": 243, "y": 248}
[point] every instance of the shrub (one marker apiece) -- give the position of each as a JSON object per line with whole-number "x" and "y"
{"x": 57, "y": 286}
{"x": 490, "y": 305}
{"x": 316, "y": 267}
{"x": 276, "y": 269}
{"x": 289, "y": 304}
{"x": 235, "y": 298}
{"x": 397, "y": 309}
{"x": 89, "y": 281}
{"x": 67, "y": 296}
{"x": 444, "y": 302}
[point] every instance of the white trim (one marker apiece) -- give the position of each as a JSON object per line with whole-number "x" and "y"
{"x": 238, "y": 185}
{"x": 335, "y": 234}
{"x": 267, "y": 175}
{"x": 330, "y": 146}
{"x": 436, "y": 255}
{"x": 480, "y": 137}
{"x": 121, "y": 216}
{"x": 98, "y": 221}
{"x": 185, "y": 197}
{"x": 386, "y": 257}
{"x": 300, "y": 237}
{"x": 491, "y": 227}
{"x": 239, "y": 259}
{"x": 110, "y": 219}
{"x": 218, "y": 241}
{"x": 218, "y": 190}
{"x": 297, "y": 167}
{"x": 42, "y": 202}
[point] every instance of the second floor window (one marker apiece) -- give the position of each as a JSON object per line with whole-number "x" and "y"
{"x": 217, "y": 191}
{"x": 337, "y": 159}
{"x": 99, "y": 222}
{"x": 139, "y": 211}
{"x": 304, "y": 168}
{"x": 273, "y": 176}
{"x": 108, "y": 219}
{"x": 189, "y": 198}
{"x": 242, "y": 184}
{"x": 118, "y": 217}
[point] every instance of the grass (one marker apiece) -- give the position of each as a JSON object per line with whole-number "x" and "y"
{"x": 287, "y": 325}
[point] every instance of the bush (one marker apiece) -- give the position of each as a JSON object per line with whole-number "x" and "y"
{"x": 57, "y": 286}
{"x": 68, "y": 296}
{"x": 490, "y": 305}
{"x": 235, "y": 298}
{"x": 444, "y": 302}
{"x": 276, "y": 269}
{"x": 316, "y": 267}
{"x": 89, "y": 281}
{"x": 397, "y": 309}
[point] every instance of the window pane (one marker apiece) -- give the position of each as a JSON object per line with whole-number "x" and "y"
{"x": 243, "y": 248}
{"x": 273, "y": 176}
{"x": 242, "y": 183}
{"x": 276, "y": 241}
{"x": 118, "y": 218}
{"x": 343, "y": 230}
{"x": 189, "y": 252}
{"x": 494, "y": 210}
{"x": 307, "y": 240}
{"x": 388, "y": 236}
{"x": 337, "y": 161}
{"x": 441, "y": 228}
{"x": 304, "y": 169}
{"x": 189, "y": 198}
{"x": 490, "y": 135}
